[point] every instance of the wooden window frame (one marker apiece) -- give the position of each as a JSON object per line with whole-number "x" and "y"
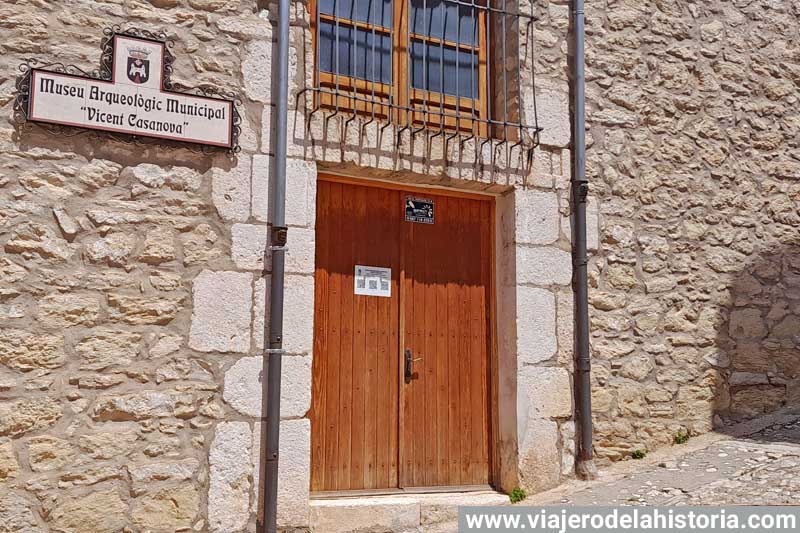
{"x": 398, "y": 101}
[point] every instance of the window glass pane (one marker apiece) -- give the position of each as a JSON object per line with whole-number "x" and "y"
{"x": 458, "y": 68}
{"x": 369, "y": 66}
{"x": 371, "y": 11}
{"x": 435, "y": 18}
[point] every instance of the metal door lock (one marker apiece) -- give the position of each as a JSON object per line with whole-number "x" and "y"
{"x": 409, "y": 361}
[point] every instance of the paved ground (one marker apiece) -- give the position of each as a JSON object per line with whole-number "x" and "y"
{"x": 757, "y": 463}
{"x": 761, "y": 468}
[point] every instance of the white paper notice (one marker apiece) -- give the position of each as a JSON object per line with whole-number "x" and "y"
{"x": 373, "y": 281}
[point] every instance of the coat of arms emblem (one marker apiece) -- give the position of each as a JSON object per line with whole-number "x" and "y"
{"x": 138, "y": 65}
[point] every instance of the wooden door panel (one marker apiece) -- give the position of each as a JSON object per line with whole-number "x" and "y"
{"x": 370, "y": 429}
{"x": 355, "y": 380}
{"x": 445, "y": 426}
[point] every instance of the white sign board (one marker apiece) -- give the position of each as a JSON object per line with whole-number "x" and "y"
{"x": 373, "y": 281}
{"x": 133, "y": 102}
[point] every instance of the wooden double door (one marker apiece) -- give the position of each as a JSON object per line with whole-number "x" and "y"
{"x": 401, "y": 374}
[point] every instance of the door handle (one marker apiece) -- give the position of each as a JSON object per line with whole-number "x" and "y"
{"x": 409, "y": 361}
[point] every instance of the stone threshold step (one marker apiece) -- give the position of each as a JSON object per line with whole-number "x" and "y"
{"x": 395, "y": 512}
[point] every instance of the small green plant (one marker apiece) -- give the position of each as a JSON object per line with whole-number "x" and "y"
{"x": 638, "y": 454}
{"x": 517, "y": 495}
{"x": 682, "y": 437}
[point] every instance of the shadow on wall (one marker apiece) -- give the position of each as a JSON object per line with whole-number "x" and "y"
{"x": 760, "y": 340}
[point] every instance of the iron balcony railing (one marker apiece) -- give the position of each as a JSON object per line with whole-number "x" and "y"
{"x": 451, "y": 68}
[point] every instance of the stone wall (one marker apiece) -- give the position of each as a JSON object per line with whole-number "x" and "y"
{"x": 693, "y": 155}
{"x": 535, "y": 429}
{"x": 130, "y": 290}
{"x": 131, "y": 295}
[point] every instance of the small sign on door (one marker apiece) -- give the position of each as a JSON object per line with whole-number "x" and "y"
{"x": 419, "y": 210}
{"x": 373, "y": 281}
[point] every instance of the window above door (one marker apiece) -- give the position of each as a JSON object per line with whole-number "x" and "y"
{"x": 442, "y": 65}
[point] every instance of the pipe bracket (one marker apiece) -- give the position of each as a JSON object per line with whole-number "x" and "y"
{"x": 279, "y": 235}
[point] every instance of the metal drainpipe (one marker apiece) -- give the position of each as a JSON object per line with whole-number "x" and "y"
{"x": 273, "y": 332}
{"x": 580, "y": 190}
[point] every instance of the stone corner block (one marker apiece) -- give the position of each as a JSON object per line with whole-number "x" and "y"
{"x": 544, "y": 392}
{"x": 299, "y": 312}
{"x": 536, "y": 325}
{"x": 257, "y": 71}
{"x": 544, "y": 266}
{"x": 301, "y": 179}
{"x": 302, "y": 250}
{"x": 539, "y": 455}
{"x": 260, "y": 310}
{"x": 261, "y": 187}
{"x": 301, "y": 197}
{"x": 221, "y": 313}
{"x": 230, "y": 190}
{"x": 294, "y": 470}
{"x": 537, "y": 217}
{"x": 552, "y": 106}
{"x": 244, "y": 383}
{"x": 230, "y": 469}
{"x": 249, "y": 243}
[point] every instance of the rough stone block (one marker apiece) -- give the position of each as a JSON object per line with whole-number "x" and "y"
{"x": 9, "y": 467}
{"x": 568, "y": 449}
{"x": 268, "y": 130}
{"x": 300, "y": 257}
{"x": 25, "y": 415}
{"x": 25, "y": 351}
{"x": 262, "y": 177}
{"x": 552, "y": 106}
{"x": 248, "y": 139}
{"x": 30, "y": 239}
{"x": 69, "y": 309}
{"x": 140, "y": 405}
{"x": 172, "y": 508}
{"x": 747, "y": 324}
{"x": 221, "y": 312}
{"x": 257, "y": 71}
{"x": 301, "y": 177}
{"x": 249, "y": 242}
{"x": 144, "y": 474}
{"x": 260, "y": 311}
{"x": 536, "y": 325}
{"x": 49, "y": 453}
{"x": 243, "y": 386}
{"x": 539, "y": 456}
{"x": 296, "y": 389}
{"x": 230, "y": 190}
{"x": 159, "y": 247}
{"x": 537, "y": 217}
{"x": 544, "y": 392}
{"x": 243, "y": 382}
{"x": 140, "y": 310}
{"x": 294, "y": 470}
{"x": 565, "y": 323}
{"x": 592, "y": 225}
{"x": 98, "y": 511}
{"x": 299, "y": 312}
{"x": 16, "y": 513}
{"x": 252, "y": 27}
{"x": 543, "y": 266}
{"x": 229, "y": 481}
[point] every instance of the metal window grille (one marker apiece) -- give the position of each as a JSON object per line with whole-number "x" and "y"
{"x": 449, "y": 68}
